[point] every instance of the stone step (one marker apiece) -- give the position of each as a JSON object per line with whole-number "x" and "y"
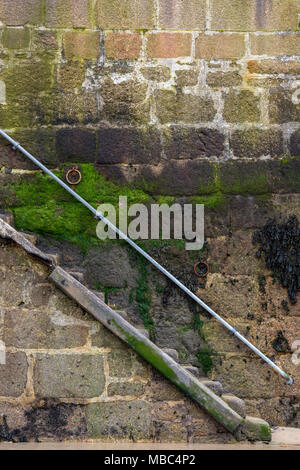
{"x": 8, "y": 217}
{"x": 31, "y": 237}
{"x": 172, "y": 353}
{"x": 101, "y": 295}
{"x": 123, "y": 314}
{"x": 78, "y": 275}
{"x": 237, "y": 404}
{"x": 192, "y": 369}
{"x": 214, "y": 386}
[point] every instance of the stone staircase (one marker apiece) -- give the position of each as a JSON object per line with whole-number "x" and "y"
{"x": 252, "y": 429}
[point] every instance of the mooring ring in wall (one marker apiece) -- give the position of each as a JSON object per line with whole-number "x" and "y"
{"x": 201, "y": 269}
{"x": 73, "y": 176}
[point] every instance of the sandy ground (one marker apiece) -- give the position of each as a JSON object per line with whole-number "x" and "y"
{"x": 282, "y": 439}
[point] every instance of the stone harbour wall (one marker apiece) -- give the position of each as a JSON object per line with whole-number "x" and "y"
{"x": 163, "y": 101}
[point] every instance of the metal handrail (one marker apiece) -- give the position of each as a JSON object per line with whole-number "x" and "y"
{"x": 99, "y": 215}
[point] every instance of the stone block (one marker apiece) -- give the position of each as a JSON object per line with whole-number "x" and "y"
{"x": 273, "y": 66}
{"x": 278, "y": 44}
{"x": 35, "y": 329}
{"x": 125, "y": 102}
{"x": 173, "y": 106}
{"x": 189, "y": 143}
{"x": 120, "y": 363}
{"x": 220, "y": 46}
{"x": 283, "y": 107}
{"x": 119, "y": 420}
{"x": 78, "y": 45}
{"x": 129, "y": 145}
{"x": 69, "y": 375}
{"x": 223, "y": 79}
{"x": 257, "y": 143}
{"x": 19, "y": 12}
{"x": 71, "y": 75}
{"x": 187, "y": 77}
{"x": 15, "y": 38}
{"x": 13, "y": 375}
{"x": 133, "y": 14}
{"x": 159, "y": 73}
{"x": 241, "y": 106}
{"x": 123, "y": 45}
{"x": 168, "y": 45}
{"x": 186, "y": 14}
{"x": 67, "y": 13}
{"x": 75, "y": 145}
{"x": 252, "y": 15}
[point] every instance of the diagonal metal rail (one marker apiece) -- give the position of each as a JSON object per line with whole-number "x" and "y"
{"x": 99, "y": 215}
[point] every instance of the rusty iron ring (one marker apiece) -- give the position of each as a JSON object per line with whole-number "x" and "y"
{"x": 203, "y": 264}
{"x": 73, "y": 170}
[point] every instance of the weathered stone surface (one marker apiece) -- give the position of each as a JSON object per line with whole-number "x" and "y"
{"x": 260, "y": 177}
{"x": 67, "y": 13}
{"x": 235, "y": 255}
{"x": 28, "y": 78}
{"x": 45, "y": 40}
{"x": 123, "y": 45}
{"x": 223, "y": 79}
{"x": 125, "y": 102}
{"x": 282, "y": 107}
{"x": 159, "y": 73}
{"x": 103, "y": 338}
{"x": 276, "y": 411}
{"x": 175, "y": 177}
{"x": 129, "y": 145}
{"x": 172, "y": 106}
{"x": 220, "y": 290}
{"x": 109, "y": 266}
{"x": 71, "y": 75}
{"x": 278, "y": 44}
{"x": 82, "y": 45}
{"x": 241, "y": 106}
{"x": 256, "y": 143}
{"x": 60, "y": 421}
{"x": 18, "y": 12}
{"x": 186, "y": 15}
{"x": 273, "y": 66}
{"x": 69, "y": 375}
{"x": 134, "y": 14}
{"x": 169, "y": 45}
{"x": 247, "y": 376}
{"x": 119, "y": 420}
{"x": 15, "y": 38}
{"x": 295, "y": 144}
{"x": 76, "y": 145}
{"x": 251, "y": 15}
{"x": 13, "y": 375}
{"x": 35, "y": 329}
{"x": 135, "y": 389}
{"x": 185, "y": 142}
{"x": 187, "y": 77}
{"x": 120, "y": 363}
{"x": 39, "y": 142}
{"x": 160, "y": 389}
{"x": 220, "y": 46}
{"x": 236, "y": 404}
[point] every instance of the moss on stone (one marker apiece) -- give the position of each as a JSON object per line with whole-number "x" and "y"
{"x": 204, "y": 358}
